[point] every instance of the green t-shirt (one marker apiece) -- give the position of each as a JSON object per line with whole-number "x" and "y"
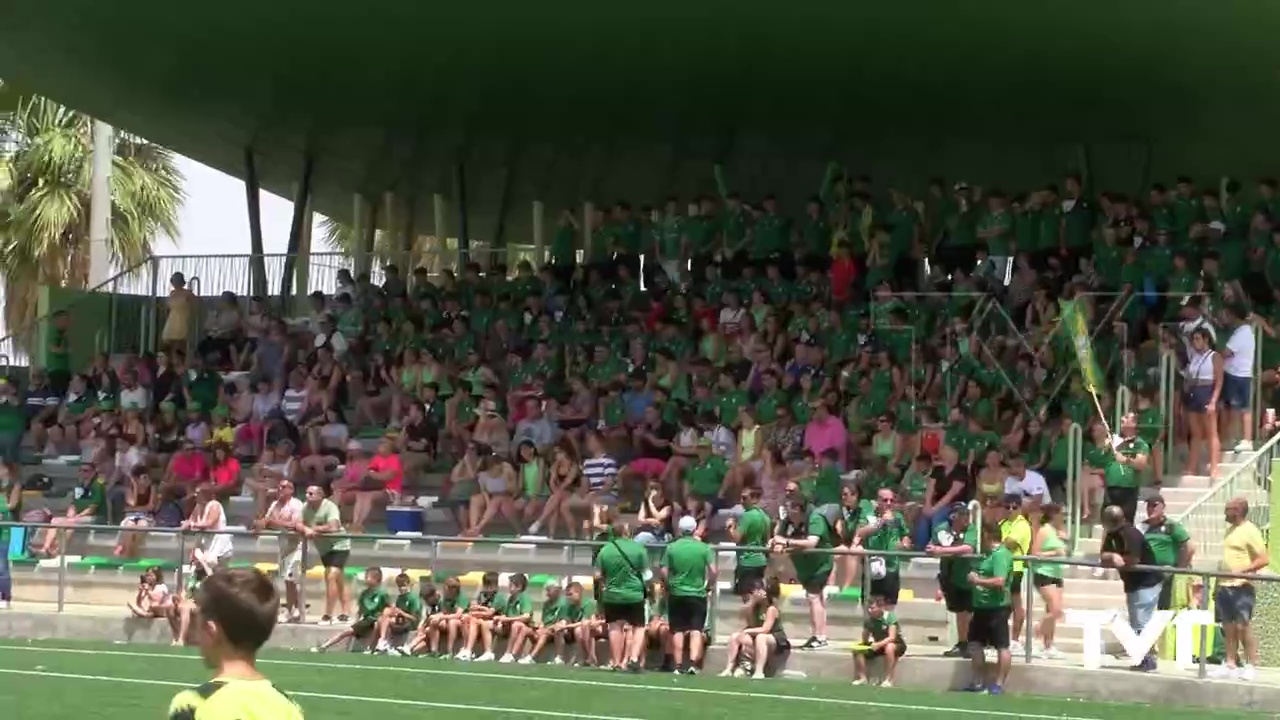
{"x": 887, "y": 536}
{"x": 58, "y": 352}
{"x": 813, "y": 566}
{"x": 622, "y": 562}
{"x": 686, "y": 561}
{"x": 410, "y": 603}
{"x": 554, "y": 612}
{"x": 327, "y": 512}
{"x": 518, "y": 605}
{"x": 372, "y": 602}
{"x": 13, "y": 419}
{"x": 582, "y": 611}
{"x": 1126, "y": 476}
{"x": 451, "y": 605}
{"x": 996, "y": 564}
{"x": 826, "y": 488}
{"x": 94, "y": 496}
{"x": 1164, "y": 540}
{"x": 753, "y": 528}
{"x": 878, "y": 628}
{"x": 951, "y": 570}
{"x": 704, "y": 478}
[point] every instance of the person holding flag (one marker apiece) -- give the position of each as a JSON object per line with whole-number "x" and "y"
{"x": 1122, "y": 469}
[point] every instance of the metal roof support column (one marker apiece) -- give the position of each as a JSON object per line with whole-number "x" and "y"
{"x": 301, "y": 199}
{"x": 100, "y": 204}
{"x": 460, "y": 193}
{"x": 588, "y": 223}
{"x": 439, "y": 262}
{"x": 253, "y": 195}
{"x": 359, "y": 212}
{"x": 409, "y": 236}
{"x": 303, "y": 286}
{"x": 539, "y": 243}
{"x": 369, "y": 236}
{"x": 391, "y": 215}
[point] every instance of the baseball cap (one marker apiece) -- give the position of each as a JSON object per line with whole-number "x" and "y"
{"x": 687, "y": 524}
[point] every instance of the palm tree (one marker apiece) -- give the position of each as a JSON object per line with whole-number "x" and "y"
{"x": 44, "y": 201}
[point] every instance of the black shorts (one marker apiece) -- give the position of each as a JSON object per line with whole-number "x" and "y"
{"x": 900, "y": 647}
{"x": 814, "y": 586}
{"x": 745, "y": 578}
{"x": 958, "y": 599}
{"x": 989, "y": 628}
{"x": 687, "y": 614}
{"x": 630, "y": 613}
{"x": 1045, "y": 581}
{"x": 1015, "y": 583}
{"x": 363, "y": 628}
{"x": 335, "y": 559}
{"x": 887, "y": 587}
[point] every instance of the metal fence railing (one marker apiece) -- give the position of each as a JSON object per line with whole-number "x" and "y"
{"x": 429, "y": 549}
{"x": 1251, "y": 481}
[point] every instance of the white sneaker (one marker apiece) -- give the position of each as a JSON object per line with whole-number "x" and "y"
{"x": 1248, "y": 672}
{"x": 316, "y": 649}
{"x": 886, "y": 683}
{"x": 1244, "y": 446}
{"x": 534, "y": 528}
{"x": 5, "y": 604}
{"x": 727, "y": 672}
{"x": 557, "y": 660}
{"x": 1224, "y": 671}
{"x": 526, "y": 660}
{"x": 506, "y": 659}
{"x": 487, "y": 657}
{"x": 860, "y": 681}
{"x": 1051, "y": 653}
{"x": 463, "y": 656}
{"x": 1015, "y": 647}
{"x": 383, "y": 646}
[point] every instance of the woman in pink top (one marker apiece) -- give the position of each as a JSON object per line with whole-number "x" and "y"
{"x": 189, "y": 466}
{"x": 224, "y": 471}
{"x": 383, "y": 478}
{"x": 826, "y": 432}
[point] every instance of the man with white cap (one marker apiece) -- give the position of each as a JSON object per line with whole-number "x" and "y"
{"x": 689, "y": 568}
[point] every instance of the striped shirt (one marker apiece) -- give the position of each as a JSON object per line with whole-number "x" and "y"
{"x": 292, "y": 403}
{"x": 598, "y": 471}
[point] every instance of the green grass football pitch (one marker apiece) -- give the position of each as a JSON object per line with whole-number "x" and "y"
{"x": 44, "y": 681}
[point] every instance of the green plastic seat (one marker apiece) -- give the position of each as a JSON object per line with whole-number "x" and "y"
{"x": 371, "y": 433}
{"x": 96, "y": 562}
{"x": 848, "y": 594}
{"x": 539, "y": 581}
{"x": 143, "y": 564}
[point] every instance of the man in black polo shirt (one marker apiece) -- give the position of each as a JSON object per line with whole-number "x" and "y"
{"x": 1123, "y": 548}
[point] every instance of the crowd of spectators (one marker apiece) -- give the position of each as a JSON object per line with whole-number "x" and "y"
{"x": 876, "y": 361}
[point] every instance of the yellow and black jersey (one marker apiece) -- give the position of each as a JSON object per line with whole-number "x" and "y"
{"x": 223, "y": 699}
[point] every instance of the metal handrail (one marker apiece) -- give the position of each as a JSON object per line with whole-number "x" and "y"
{"x": 1075, "y": 462}
{"x": 1204, "y": 520}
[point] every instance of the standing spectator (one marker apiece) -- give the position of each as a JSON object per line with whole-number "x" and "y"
{"x": 750, "y": 530}
{"x": 320, "y": 521}
{"x": 13, "y": 422}
{"x": 1170, "y": 545}
{"x": 1123, "y": 547}
{"x": 885, "y": 529}
{"x": 989, "y": 627}
{"x": 209, "y": 519}
{"x": 1015, "y": 530}
{"x": 954, "y": 538}
{"x": 1121, "y": 467}
{"x": 689, "y": 568}
{"x": 177, "y": 326}
{"x": 620, "y": 569}
{"x": 801, "y": 533}
{"x": 10, "y": 508}
{"x": 1243, "y": 552}
{"x": 1050, "y": 542}
{"x": 1204, "y": 384}
{"x": 1237, "y": 377}
{"x": 283, "y": 516}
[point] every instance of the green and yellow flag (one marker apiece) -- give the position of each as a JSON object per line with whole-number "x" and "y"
{"x": 1078, "y": 332}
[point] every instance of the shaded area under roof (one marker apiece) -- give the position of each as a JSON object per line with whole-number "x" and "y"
{"x": 570, "y": 99}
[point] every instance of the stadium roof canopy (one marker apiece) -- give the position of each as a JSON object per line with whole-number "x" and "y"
{"x": 567, "y": 99}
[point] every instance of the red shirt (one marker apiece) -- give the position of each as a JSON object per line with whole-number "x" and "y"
{"x": 389, "y": 463}
{"x": 190, "y": 467}
{"x": 226, "y": 474}
{"x": 843, "y": 273}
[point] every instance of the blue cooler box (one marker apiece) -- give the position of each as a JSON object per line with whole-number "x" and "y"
{"x": 404, "y": 519}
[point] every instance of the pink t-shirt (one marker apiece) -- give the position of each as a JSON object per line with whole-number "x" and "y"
{"x": 829, "y": 434}
{"x": 190, "y": 467}
{"x": 389, "y": 463}
{"x": 226, "y": 474}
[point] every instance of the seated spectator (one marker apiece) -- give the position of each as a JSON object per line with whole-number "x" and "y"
{"x": 762, "y": 638}
{"x": 477, "y": 622}
{"x": 224, "y": 470}
{"x": 133, "y": 396}
{"x": 383, "y": 479}
{"x": 490, "y": 429}
{"x": 153, "y": 600}
{"x": 88, "y": 506}
{"x": 401, "y": 618}
{"x": 42, "y": 404}
{"x": 535, "y": 427}
{"x": 74, "y": 417}
{"x": 276, "y": 465}
{"x": 417, "y": 441}
{"x": 497, "y": 484}
{"x": 881, "y": 638}
{"x": 251, "y": 434}
{"x": 140, "y": 503}
{"x": 532, "y": 490}
{"x": 189, "y": 466}
{"x": 371, "y": 604}
{"x": 651, "y": 442}
{"x": 656, "y": 518}
{"x": 600, "y": 475}
{"x": 564, "y": 483}
{"x": 327, "y": 436}
{"x": 165, "y": 431}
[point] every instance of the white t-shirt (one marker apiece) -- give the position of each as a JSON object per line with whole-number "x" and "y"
{"x": 1240, "y": 343}
{"x": 722, "y": 441}
{"x": 136, "y": 398}
{"x": 289, "y": 511}
{"x": 1032, "y": 484}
